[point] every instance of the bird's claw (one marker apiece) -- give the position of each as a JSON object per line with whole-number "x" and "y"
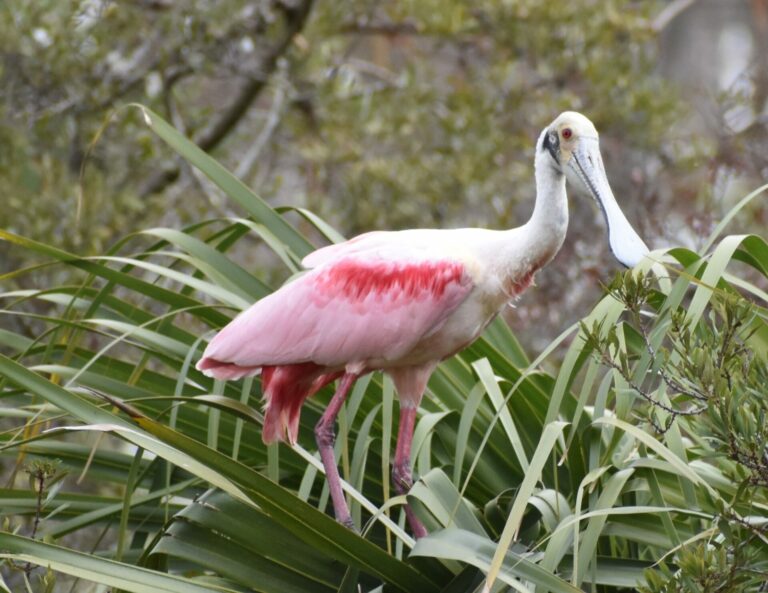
{"x": 402, "y": 479}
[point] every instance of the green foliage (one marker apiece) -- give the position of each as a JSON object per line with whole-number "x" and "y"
{"x": 42, "y": 474}
{"x": 705, "y": 378}
{"x": 713, "y": 567}
{"x": 644, "y": 445}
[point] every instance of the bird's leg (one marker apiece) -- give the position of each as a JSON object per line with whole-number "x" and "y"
{"x": 402, "y": 477}
{"x": 325, "y": 437}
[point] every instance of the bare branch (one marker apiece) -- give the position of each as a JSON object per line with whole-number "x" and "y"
{"x": 295, "y": 16}
{"x": 273, "y": 119}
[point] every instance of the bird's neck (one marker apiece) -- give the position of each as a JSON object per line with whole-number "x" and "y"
{"x": 545, "y": 231}
{"x": 520, "y": 252}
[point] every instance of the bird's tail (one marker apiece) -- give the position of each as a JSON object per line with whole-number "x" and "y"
{"x": 285, "y": 389}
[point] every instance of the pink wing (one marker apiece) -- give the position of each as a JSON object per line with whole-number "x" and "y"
{"x": 350, "y": 309}
{"x": 366, "y": 242}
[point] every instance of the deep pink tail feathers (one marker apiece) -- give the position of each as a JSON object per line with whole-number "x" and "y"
{"x": 285, "y": 389}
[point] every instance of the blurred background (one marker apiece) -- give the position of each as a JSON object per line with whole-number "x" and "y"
{"x": 382, "y": 115}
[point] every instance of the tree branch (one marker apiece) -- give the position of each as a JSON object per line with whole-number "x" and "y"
{"x": 295, "y": 15}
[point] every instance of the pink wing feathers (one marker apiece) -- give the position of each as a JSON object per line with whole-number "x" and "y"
{"x": 341, "y": 313}
{"x": 362, "y": 303}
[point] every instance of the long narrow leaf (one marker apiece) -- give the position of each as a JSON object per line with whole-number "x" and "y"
{"x": 233, "y": 187}
{"x": 95, "y": 569}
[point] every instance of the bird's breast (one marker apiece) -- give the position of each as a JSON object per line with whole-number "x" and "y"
{"x": 515, "y": 285}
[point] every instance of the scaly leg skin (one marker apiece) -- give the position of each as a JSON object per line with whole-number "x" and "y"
{"x": 325, "y": 437}
{"x": 402, "y": 478}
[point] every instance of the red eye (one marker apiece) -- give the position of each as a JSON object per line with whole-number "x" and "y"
{"x": 567, "y": 133}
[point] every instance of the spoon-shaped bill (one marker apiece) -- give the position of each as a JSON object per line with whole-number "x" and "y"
{"x": 587, "y": 164}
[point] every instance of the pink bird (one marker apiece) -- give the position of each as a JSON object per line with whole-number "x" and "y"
{"x": 401, "y": 302}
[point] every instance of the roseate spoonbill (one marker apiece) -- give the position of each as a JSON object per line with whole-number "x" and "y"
{"x": 401, "y": 302}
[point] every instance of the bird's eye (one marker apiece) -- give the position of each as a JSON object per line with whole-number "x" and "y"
{"x": 567, "y": 133}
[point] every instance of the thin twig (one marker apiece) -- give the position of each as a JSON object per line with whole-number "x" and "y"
{"x": 276, "y": 111}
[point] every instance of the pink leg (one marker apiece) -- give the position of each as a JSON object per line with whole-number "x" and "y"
{"x": 325, "y": 437}
{"x": 402, "y": 477}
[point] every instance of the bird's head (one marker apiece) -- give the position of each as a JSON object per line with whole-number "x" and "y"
{"x": 564, "y": 135}
{"x": 572, "y": 147}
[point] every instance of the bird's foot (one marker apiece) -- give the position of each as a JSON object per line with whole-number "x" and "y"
{"x": 402, "y": 479}
{"x": 325, "y": 436}
{"x": 349, "y": 524}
